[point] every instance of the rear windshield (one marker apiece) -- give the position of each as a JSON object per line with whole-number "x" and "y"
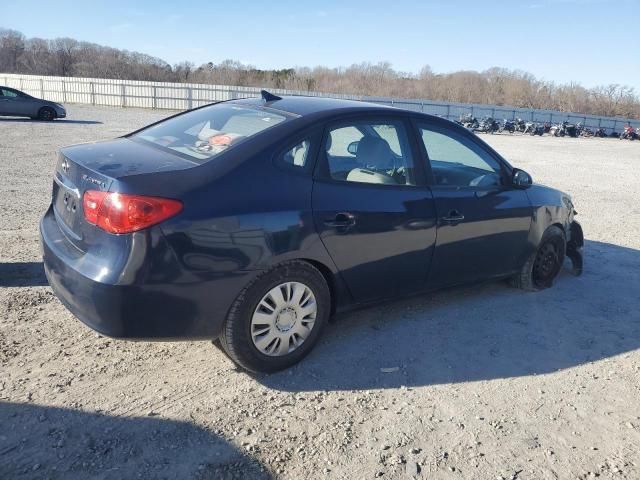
{"x": 205, "y": 133}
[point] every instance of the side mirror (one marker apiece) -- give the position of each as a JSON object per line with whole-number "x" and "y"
{"x": 353, "y": 148}
{"x": 520, "y": 178}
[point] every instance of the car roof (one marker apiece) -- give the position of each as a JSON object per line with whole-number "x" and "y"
{"x": 300, "y": 105}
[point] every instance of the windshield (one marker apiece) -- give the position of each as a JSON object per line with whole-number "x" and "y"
{"x": 207, "y": 132}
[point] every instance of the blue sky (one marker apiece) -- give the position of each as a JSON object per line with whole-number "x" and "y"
{"x": 586, "y": 41}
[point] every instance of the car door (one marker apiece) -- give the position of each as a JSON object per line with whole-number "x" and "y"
{"x": 483, "y": 221}
{"x": 372, "y": 209}
{"x": 5, "y": 104}
{"x": 14, "y": 103}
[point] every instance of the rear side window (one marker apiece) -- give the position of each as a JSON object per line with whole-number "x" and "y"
{"x": 298, "y": 155}
{"x": 205, "y": 133}
{"x": 8, "y": 93}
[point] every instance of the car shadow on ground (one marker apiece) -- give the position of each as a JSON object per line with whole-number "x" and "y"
{"x": 54, "y": 122}
{"x": 482, "y": 332}
{"x": 57, "y": 443}
{"x": 22, "y": 274}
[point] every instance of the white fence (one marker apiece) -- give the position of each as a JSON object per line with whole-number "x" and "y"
{"x": 181, "y": 96}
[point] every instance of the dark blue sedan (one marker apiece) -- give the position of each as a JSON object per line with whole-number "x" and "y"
{"x": 253, "y": 221}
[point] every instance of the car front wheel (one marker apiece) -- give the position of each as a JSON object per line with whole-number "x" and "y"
{"x": 46, "y": 114}
{"x": 277, "y": 319}
{"x": 545, "y": 263}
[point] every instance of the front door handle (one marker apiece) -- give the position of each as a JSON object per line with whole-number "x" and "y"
{"x": 341, "y": 220}
{"x": 454, "y": 216}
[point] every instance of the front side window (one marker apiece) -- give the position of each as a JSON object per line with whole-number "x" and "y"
{"x": 202, "y": 134}
{"x": 370, "y": 152}
{"x": 455, "y": 161}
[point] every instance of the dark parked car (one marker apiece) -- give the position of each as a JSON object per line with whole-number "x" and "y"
{"x": 14, "y": 103}
{"x": 253, "y": 221}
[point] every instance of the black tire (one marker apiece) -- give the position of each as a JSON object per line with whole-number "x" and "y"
{"x": 543, "y": 266}
{"x": 236, "y": 338}
{"x": 47, "y": 114}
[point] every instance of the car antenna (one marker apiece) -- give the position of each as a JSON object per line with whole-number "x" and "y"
{"x": 269, "y": 97}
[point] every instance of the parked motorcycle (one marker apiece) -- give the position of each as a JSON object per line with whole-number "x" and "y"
{"x": 507, "y": 126}
{"x": 529, "y": 127}
{"x": 600, "y": 133}
{"x": 520, "y": 124}
{"x": 564, "y": 129}
{"x": 629, "y": 133}
{"x": 584, "y": 131}
{"x": 488, "y": 125}
{"x": 469, "y": 121}
{"x": 557, "y": 130}
{"x": 537, "y": 130}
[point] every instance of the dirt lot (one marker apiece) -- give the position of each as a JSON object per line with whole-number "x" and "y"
{"x": 483, "y": 382}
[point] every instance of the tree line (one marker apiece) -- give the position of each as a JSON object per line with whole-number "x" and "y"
{"x": 497, "y": 86}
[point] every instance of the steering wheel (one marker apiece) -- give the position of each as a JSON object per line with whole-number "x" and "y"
{"x": 399, "y": 174}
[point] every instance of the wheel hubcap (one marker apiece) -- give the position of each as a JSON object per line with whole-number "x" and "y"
{"x": 283, "y": 319}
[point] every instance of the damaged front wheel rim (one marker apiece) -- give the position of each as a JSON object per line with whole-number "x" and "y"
{"x": 547, "y": 264}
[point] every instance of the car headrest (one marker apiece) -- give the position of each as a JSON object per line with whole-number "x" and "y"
{"x": 374, "y": 151}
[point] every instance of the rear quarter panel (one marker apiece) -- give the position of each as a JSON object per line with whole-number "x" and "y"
{"x": 250, "y": 219}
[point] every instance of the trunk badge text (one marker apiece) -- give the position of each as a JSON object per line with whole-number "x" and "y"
{"x": 95, "y": 181}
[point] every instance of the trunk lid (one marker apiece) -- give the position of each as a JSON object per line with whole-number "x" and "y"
{"x": 96, "y": 166}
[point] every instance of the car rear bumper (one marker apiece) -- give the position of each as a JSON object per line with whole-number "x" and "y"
{"x": 141, "y": 311}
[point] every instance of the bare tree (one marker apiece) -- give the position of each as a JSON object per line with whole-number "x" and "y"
{"x": 496, "y": 86}
{"x": 12, "y": 45}
{"x": 183, "y": 70}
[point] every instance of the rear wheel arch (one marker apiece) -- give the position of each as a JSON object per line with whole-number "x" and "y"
{"x": 329, "y": 277}
{"x": 327, "y": 270}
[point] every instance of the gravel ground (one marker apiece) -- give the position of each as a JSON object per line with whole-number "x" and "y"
{"x": 483, "y": 382}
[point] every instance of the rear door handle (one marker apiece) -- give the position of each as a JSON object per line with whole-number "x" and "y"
{"x": 341, "y": 220}
{"x": 454, "y": 216}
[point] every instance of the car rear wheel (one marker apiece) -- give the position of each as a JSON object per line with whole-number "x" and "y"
{"x": 277, "y": 319}
{"x": 544, "y": 264}
{"x": 46, "y": 114}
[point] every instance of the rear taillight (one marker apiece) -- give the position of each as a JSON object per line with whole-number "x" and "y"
{"x": 124, "y": 213}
